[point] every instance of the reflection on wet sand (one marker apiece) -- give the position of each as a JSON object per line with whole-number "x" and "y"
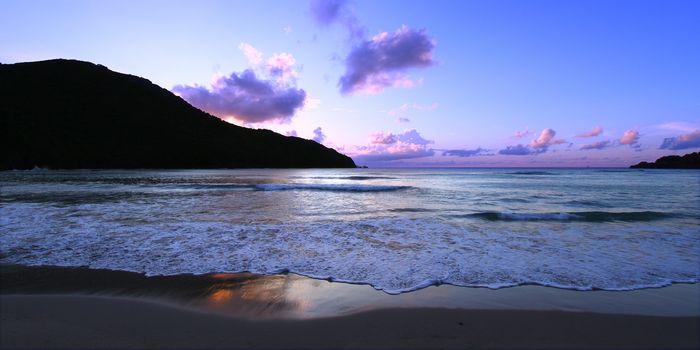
{"x": 251, "y": 296}
{"x": 238, "y": 294}
{"x": 293, "y": 296}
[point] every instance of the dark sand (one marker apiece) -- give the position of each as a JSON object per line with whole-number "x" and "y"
{"x": 99, "y": 322}
{"x": 53, "y": 307}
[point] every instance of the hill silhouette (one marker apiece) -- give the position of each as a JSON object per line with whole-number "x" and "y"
{"x": 688, "y": 161}
{"x": 69, "y": 114}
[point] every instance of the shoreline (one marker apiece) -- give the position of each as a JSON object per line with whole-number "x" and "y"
{"x": 293, "y": 296}
{"x": 61, "y": 307}
{"x": 69, "y": 321}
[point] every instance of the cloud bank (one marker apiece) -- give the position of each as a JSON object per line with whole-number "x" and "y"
{"x": 268, "y": 95}
{"x": 379, "y": 63}
{"x": 691, "y": 140}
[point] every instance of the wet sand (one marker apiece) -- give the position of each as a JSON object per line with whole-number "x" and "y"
{"x": 100, "y": 322}
{"x": 54, "y": 307}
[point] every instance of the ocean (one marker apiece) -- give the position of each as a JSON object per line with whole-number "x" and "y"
{"x": 397, "y": 230}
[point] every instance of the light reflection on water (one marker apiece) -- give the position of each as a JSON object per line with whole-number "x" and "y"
{"x": 298, "y": 297}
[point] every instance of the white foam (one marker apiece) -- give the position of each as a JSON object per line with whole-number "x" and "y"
{"x": 328, "y": 187}
{"x": 392, "y": 254}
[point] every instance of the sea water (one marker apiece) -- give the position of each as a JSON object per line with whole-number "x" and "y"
{"x": 395, "y": 229}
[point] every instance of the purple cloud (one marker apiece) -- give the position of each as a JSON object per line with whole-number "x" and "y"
{"x": 402, "y": 120}
{"x": 413, "y": 137}
{"x": 292, "y": 133}
{"x": 464, "y": 152}
{"x": 245, "y": 97}
{"x": 591, "y": 133}
{"x": 520, "y": 150}
{"x": 378, "y": 63}
{"x": 319, "y": 136}
{"x": 596, "y": 145}
{"x": 382, "y": 138}
{"x": 691, "y": 140}
{"x": 328, "y": 12}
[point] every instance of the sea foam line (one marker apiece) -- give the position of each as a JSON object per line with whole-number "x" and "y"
{"x": 329, "y": 187}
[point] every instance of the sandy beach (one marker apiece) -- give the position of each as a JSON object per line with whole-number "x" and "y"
{"x": 52, "y": 307}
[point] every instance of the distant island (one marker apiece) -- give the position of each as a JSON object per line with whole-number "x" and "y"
{"x": 68, "y": 114}
{"x": 688, "y": 161}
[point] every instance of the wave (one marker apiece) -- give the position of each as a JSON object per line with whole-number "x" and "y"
{"x": 330, "y": 187}
{"x": 585, "y": 216}
{"x": 392, "y": 254}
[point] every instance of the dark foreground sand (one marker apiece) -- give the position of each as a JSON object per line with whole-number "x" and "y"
{"x": 69, "y": 321}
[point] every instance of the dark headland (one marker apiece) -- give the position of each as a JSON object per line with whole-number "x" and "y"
{"x": 688, "y": 161}
{"x": 68, "y": 114}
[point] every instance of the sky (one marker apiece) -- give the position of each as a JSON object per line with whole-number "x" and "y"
{"x": 406, "y": 83}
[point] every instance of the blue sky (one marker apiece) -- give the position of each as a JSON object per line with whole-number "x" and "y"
{"x": 426, "y": 83}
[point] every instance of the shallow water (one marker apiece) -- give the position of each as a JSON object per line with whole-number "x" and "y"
{"x": 396, "y": 229}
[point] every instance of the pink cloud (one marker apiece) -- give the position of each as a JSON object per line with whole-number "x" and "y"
{"x": 253, "y": 55}
{"x": 591, "y": 133}
{"x": 281, "y": 67}
{"x": 546, "y": 139}
{"x": 385, "y": 147}
{"x": 630, "y": 137}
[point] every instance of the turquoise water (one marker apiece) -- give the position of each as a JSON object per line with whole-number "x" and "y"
{"x": 396, "y": 229}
